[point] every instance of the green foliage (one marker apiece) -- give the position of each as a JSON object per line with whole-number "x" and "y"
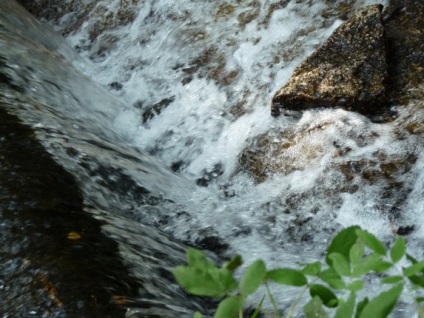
{"x": 371, "y": 241}
{"x": 343, "y": 242}
{"x": 312, "y": 269}
{"x": 287, "y": 276}
{"x": 353, "y": 257}
{"x": 203, "y": 278}
{"x": 333, "y": 279}
{"x": 398, "y": 249}
{"x": 229, "y": 307}
{"x": 328, "y": 298}
{"x": 383, "y": 304}
{"x": 253, "y": 278}
{"x": 360, "y": 306}
{"x": 258, "y": 309}
{"x": 346, "y": 308}
{"x": 314, "y": 309}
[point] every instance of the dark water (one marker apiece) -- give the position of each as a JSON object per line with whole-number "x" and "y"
{"x": 44, "y": 272}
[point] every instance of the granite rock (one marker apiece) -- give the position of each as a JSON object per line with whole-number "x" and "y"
{"x": 349, "y": 70}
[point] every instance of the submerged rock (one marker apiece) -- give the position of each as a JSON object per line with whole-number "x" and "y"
{"x": 69, "y": 16}
{"x": 348, "y": 71}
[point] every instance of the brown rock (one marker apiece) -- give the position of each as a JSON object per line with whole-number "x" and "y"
{"x": 404, "y": 27}
{"x": 348, "y": 71}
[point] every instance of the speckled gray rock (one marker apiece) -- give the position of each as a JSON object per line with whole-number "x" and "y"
{"x": 348, "y": 71}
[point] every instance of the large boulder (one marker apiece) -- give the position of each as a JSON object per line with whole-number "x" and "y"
{"x": 348, "y": 71}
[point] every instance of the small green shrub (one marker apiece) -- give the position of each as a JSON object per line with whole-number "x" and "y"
{"x": 352, "y": 256}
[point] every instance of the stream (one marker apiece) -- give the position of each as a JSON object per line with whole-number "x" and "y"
{"x": 158, "y": 113}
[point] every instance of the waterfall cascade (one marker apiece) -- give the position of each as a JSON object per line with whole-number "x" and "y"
{"x": 170, "y": 130}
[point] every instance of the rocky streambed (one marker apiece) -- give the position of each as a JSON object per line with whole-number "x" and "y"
{"x": 372, "y": 65}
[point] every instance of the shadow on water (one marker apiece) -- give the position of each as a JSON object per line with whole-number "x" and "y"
{"x": 54, "y": 258}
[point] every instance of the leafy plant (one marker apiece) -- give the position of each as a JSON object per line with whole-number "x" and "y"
{"x": 353, "y": 257}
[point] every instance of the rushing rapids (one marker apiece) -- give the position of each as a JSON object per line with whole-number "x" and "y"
{"x": 170, "y": 130}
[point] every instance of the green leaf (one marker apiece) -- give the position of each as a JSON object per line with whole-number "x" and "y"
{"x": 252, "y": 278}
{"x": 360, "y": 306}
{"x": 196, "y": 258}
{"x": 382, "y": 266}
{"x": 413, "y": 269}
{"x": 342, "y": 242}
{"x": 234, "y": 263}
{"x": 312, "y": 269}
{"x": 417, "y": 280}
{"x": 328, "y": 298}
{"x": 211, "y": 282}
{"x": 398, "y": 249}
{"x": 225, "y": 279}
{"x": 197, "y": 315}
{"x": 287, "y": 276}
{"x": 189, "y": 280}
{"x": 370, "y": 263}
{"x": 357, "y": 252}
{"x": 314, "y": 309}
{"x": 411, "y": 259}
{"x": 382, "y": 305}
{"x": 202, "y": 277}
{"x": 340, "y": 264}
{"x": 229, "y": 308}
{"x": 419, "y": 299}
{"x": 346, "y": 309}
{"x": 333, "y": 279}
{"x": 356, "y": 285}
{"x": 371, "y": 241}
{"x": 258, "y": 309}
{"x": 392, "y": 279}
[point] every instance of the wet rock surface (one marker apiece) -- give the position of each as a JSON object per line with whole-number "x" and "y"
{"x": 26, "y": 27}
{"x": 348, "y": 71}
{"x": 55, "y": 260}
{"x": 70, "y": 15}
{"x": 371, "y": 61}
{"x": 59, "y": 258}
{"x": 404, "y": 28}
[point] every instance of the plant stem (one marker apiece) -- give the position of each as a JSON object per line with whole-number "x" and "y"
{"x": 277, "y": 312}
{"x": 296, "y": 302}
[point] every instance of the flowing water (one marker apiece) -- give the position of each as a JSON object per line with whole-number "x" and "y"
{"x": 186, "y": 121}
